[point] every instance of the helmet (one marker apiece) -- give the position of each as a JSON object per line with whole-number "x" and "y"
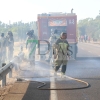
{"x": 2, "y": 34}
{"x": 62, "y": 33}
{"x": 30, "y": 33}
{"x": 10, "y": 33}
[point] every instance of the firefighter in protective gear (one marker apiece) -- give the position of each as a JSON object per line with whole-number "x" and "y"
{"x": 60, "y": 51}
{"x": 3, "y": 48}
{"x": 10, "y": 44}
{"x": 52, "y": 40}
{"x": 31, "y": 46}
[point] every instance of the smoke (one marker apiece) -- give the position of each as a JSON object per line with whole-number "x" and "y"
{"x": 40, "y": 70}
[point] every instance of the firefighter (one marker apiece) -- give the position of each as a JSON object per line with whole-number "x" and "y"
{"x": 10, "y": 44}
{"x": 60, "y": 51}
{"x": 52, "y": 40}
{"x": 31, "y": 45}
{"x": 2, "y": 48}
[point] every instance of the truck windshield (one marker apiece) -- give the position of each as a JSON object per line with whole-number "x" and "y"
{"x": 58, "y": 29}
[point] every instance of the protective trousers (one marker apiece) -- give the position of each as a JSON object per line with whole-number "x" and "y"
{"x": 3, "y": 55}
{"x": 32, "y": 50}
{"x": 61, "y": 59}
{"x": 10, "y": 52}
{"x": 63, "y": 69}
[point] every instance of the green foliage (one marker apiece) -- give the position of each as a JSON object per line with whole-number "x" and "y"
{"x": 90, "y": 27}
{"x": 19, "y": 29}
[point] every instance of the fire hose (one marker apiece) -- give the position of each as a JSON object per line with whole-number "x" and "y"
{"x": 87, "y": 85}
{"x": 44, "y": 84}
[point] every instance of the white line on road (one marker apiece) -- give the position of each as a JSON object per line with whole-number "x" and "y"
{"x": 53, "y": 92}
{"x": 96, "y": 45}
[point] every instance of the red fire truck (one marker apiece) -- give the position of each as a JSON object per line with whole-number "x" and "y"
{"x": 62, "y": 22}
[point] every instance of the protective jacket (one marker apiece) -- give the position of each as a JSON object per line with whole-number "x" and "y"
{"x": 52, "y": 39}
{"x": 60, "y": 49}
{"x": 3, "y": 43}
{"x": 31, "y": 48}
{"x": 3, "y": 48}
{"x": 10, "y": 45}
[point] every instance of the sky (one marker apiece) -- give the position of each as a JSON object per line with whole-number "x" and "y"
{"x": 27, "y": 10}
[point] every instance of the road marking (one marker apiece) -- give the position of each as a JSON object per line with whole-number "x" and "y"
{"x": 96, "y": 45}
{"x": 53, "y": 92}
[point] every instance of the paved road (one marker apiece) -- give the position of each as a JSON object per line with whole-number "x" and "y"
{"x": 87, "y": 70}
{"x": 88, "y": 50}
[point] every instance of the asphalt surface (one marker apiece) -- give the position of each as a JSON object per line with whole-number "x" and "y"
{"x": 88, "y": 50}
{"x": 85, "y": 70}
